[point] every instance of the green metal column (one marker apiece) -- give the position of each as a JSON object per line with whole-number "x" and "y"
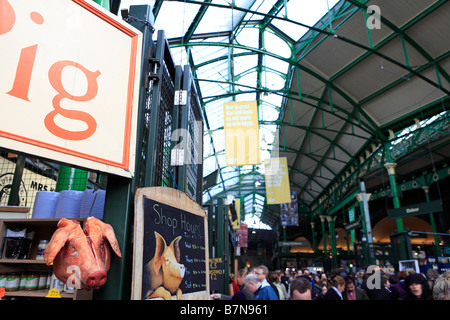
{"x": 347, "y": 234}
{"x": 363, "y": 199}
{"x": 210, "y": 229}
{"x": 182, "y": 170}
{"x": 314, "y": 241}
{"x": 118, "y": 212}
{"x": 71, "y": 179}
{"x": 324, "y": 234}
{"x": 364, "y": 246}
{"x": 331, "y": 225}
{"x": 14, "y": 193}
{"x": 103, "y": 3}
{"x": 351, "y": 218}
{"x": 222, "y": 238}
{"x": 176, "y": 122}
{"x": 390, "y": 167}
{"x": 426, "y": 189}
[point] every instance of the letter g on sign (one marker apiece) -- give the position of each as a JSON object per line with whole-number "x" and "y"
{"x": 55, "y": 77}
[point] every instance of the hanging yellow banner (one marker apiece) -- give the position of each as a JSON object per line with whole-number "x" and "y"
{"x": 241, "y": 128}
{"x": 277, "y": 181}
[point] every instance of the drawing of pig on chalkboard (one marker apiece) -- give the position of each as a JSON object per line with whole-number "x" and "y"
{"x": 164, "y": 270}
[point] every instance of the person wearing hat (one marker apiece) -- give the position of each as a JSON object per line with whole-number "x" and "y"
{"x": 417, "y": 287}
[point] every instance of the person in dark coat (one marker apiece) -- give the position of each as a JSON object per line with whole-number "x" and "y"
{"x": 418, "y": 288}
{"x": 385, "y": 292}
{"x": 337, "y": 287}
{"x": 352, "y": 292}
{"x": 399, "y": 290}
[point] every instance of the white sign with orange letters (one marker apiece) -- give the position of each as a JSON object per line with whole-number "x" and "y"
{"x": 69, "y": 83}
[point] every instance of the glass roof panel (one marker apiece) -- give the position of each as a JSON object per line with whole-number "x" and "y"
{"x": 209, "y": 165}
{"x": 304, "y": 11}
{"x": 256, "y": 75}
{"x": 206, "y": 52}
{"x": 173, "y": 21}
{"x": 219, "y": 20}
{"x": 273, "y": 43}
{"x": 248, "y": 36}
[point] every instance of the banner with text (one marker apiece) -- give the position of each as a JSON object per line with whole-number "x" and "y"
{"x": 277, "y": 181}
{"x": 241, "y": 128}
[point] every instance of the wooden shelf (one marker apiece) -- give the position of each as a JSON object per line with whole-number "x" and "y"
{"x": 44, "y": 229}
{"x": 35, "y": 294}
{"x": 22, "y": 261}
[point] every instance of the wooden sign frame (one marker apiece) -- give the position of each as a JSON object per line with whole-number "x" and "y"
{"x": 174, "y": 202}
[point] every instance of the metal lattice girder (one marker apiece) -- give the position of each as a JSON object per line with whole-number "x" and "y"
{"x": 337, "y": 85}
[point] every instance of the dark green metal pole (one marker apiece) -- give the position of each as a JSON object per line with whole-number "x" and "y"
{"x": 14, "y": 192}
{"x": 314, "y": 241}
{"x": 222, "y": 237}
{"x": 182, "y": 170}
{"x": 119, "y": 214}
{"x": 210, "y": 229}
{"x": 324, "y": 234}
{"x": 426, "y": 189}
{"x": 364, "y": 244}
{"x": 331, "y": 225}
{"x": 103, "y": 3}
{"x": 176, "y": 121}
{"x": 390, "y": 167}
{"x": 151, "y": 157}
{"x": 71, "y": 179}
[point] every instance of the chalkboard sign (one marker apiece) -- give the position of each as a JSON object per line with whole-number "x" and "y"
{"x": 170, "y": 250}
{"x": 216, "y": 274}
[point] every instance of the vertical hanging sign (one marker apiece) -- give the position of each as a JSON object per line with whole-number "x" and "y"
{"x": 277, "y": 181}
{"x": 241, "y": 128}
{"x": 235, "y": 223}
{"x": 289, "y": 211}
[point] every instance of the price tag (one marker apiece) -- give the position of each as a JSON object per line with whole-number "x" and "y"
{"x": 53, "y": 293}
{"x": 2, "y": 292}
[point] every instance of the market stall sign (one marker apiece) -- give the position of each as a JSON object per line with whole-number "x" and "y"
{"x": 69, "y": 84}
{"x": 353, "y": 225}
{"x": 170, "y": 254}
{"x": 241, "y": 127}
{"x": 216, "y": 273}
{"x": 416, "y": 209}
{"x": 292, "y": 243}
{"x": 277, "y": 181}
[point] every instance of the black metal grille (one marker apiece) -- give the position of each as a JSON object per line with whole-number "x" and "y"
{"x": 162, "y": 177}
{"x": 194, "y": 172}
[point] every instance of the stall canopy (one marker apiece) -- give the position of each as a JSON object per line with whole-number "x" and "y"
{"x": 334, "y": 82}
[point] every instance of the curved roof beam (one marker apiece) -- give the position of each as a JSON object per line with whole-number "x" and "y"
{"x": 329, "y": 33}
{"x": 349, "y": 115}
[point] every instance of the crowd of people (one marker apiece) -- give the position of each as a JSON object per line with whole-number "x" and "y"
{"x": 258, "y": 283}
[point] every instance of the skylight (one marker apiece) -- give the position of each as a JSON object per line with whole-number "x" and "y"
{"x": 242, "y": 56}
